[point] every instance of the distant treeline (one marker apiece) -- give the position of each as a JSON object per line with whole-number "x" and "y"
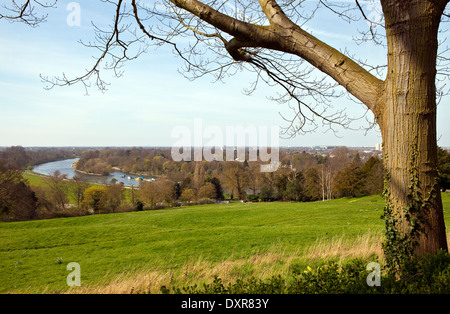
{"x": 302, "y": 176}
{"x": 18, "y": 156}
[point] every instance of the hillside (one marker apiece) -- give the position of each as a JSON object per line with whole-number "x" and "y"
{"x": 184, "y": 243}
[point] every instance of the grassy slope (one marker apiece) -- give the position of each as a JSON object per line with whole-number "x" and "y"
{"x": 34, "y": 254}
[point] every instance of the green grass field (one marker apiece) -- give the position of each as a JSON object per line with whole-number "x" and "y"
{"x": 172, "y": 242}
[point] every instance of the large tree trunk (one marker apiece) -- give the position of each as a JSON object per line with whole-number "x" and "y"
{"x": 414, "y": 214}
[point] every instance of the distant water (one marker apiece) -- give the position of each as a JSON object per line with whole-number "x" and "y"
{"x": 65, "y": 167}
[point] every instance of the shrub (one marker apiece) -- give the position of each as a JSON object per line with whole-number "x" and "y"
{"x": 139, "y": 206}
{"x": 430, "y": 274}
{"x": 252, "y": 198}
{"x": 96, "y": 198}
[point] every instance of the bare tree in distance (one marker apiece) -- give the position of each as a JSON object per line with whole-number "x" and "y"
{"x": 57, "y": 189}
{"x": 271, "y": 39}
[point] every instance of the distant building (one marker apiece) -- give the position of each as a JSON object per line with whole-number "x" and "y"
{"x": 323, "y": 147}
{"x": 378, "y": 147}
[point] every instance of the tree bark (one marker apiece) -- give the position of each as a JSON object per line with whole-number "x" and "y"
{"x": 408, "y": 123}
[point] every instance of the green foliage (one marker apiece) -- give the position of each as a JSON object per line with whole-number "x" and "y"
{"x": 394, "y": 243}
{"x": 267, "y": 193}
{"x": 373, "y": 170}
{"x": 430, "y": 274}
{"x": 289, "y": 186}
{"x": 252, "y": 198}
{"x": 399, "y": 246}
{"x": 294, "y": 189}
{"x": 350, "y": 181}
{"x": 96, "y": 198}
{"x": 444, "y": 168}
{"x": 139, "y": 206}
{"x": 312, "y": 187}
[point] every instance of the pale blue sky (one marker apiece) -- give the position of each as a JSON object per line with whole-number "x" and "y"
{"x": 151, "y": 99}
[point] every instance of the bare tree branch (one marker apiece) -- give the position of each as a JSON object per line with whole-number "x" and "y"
{"x": 26, "y": 13}
{"x": 228, "y": 36}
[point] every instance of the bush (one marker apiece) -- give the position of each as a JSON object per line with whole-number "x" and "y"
{"x": 96, "y": 198}
{"x": 139, "y": 206}
{"x": 252, "y": 198}
{"x": 427, "y": 275}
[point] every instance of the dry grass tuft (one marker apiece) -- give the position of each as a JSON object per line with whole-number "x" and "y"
{"x": 364, "y": 246}
{"x": 260, "y": 265}
{"x": 126, "y": 283}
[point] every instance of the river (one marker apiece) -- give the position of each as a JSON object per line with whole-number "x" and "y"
{"x": 65, "y": 167}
